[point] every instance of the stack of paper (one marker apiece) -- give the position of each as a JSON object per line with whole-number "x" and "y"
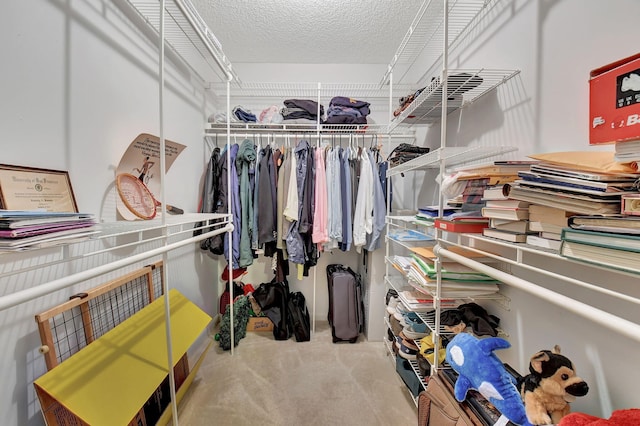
{"x": 456, "y": 280}
{"x": 21, "y": 229}
{"x": 583, "y": 183}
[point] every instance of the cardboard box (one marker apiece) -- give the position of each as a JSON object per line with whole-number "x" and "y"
{"x": 259, "y": 324}
{"x": 614, "y": 102}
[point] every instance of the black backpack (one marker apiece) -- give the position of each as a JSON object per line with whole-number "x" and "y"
{"x": 299, "y": 317}
{"x": 272, "y": 298}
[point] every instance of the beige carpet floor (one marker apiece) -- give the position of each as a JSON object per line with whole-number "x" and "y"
{"x": 269, "y": 382}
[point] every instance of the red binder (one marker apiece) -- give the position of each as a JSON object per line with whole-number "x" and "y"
{"x": 463, "y": 225}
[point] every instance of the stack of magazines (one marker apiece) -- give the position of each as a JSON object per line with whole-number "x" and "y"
{"x": 22, "y": 229}
{"x": 457, "y": 280}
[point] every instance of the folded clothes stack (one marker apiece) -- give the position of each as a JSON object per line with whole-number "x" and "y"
{"x": 343, "y": 110}
{"x": 244, "y": 115}
{"x": 301, "y": 111}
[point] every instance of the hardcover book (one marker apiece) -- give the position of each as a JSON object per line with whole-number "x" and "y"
{"x": 507, "y": 203}
{"x": 538, "y": 241}
{"x": 613, "y": 224}
{"x": 513, "y": 237}
{"x": 622, "y": 242}
{"x": 505, "y": 213}
{"x": 494, "y": 193}
{"x": 625, "y": 260}
{"x": 520, "y": 226}
{"x": 545, "y": 227}
{"x": 551, "y": 235}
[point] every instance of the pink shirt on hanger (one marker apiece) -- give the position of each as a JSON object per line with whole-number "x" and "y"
{"x": 320, "y": 233}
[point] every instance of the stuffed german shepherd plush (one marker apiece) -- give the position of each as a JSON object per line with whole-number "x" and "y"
{"x": 549, "y": 388}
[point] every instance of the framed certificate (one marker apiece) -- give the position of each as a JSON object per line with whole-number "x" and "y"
{"x": 30, "y": 188}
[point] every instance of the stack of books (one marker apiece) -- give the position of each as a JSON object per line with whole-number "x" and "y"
{"x": 508, "y": 218}
{"x": 547, "y": 223}
{"x": 612, "y": 242}
{"x": 477, "y": 178}
{"x": 457, "y": 281}
{"x": 572, "y": 189}
{"x": 627, "y": 151}
{"x": 23, "y": 229}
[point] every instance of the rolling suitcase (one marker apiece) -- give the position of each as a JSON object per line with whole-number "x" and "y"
{"x": 346, "y": 309}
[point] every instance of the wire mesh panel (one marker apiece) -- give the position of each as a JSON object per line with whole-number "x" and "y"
{"x": 110, "y": 309}
{"x": 69, "y": 327}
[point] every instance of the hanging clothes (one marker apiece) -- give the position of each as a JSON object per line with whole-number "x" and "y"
{"x": 256, "y": 196}
{"x": 295, "y": 242}
{"x": 234, "y": 197}
{"x": 307, "y": 214}
{"x": 216, "y": 243}
{"x": 379, "y": 208}
{"x": 244, "y": 162}
{"x": 334, "y": 178}
{"x": 382, "y": 174}
{"x": 300, "y": 246}
{"x": 267, "y": 202}
{"x": 363, "y": 213}
{"x": 345, "y": 186}
{"x": 305, "y": 179}
{"x": 291, "y": 205}
{"x": 210, "y": 193}
{"x": 320, "y": 233}
{"x": 283, "y": 174}
{"x": 354, "y": 170}
{"x": 308, "y": 200}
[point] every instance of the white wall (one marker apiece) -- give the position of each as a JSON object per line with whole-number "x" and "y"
{"x": 79, "y": 82}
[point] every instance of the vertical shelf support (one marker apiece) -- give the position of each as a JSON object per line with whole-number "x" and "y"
{"x": 165, "y": 281}
{"x": 230, "y": 233}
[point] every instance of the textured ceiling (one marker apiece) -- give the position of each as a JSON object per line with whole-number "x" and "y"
{"x": 309, "y": 31}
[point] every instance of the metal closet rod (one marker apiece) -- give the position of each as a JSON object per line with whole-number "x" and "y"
{"x": 26, "y": 295}
{"x": 613, "y": 322}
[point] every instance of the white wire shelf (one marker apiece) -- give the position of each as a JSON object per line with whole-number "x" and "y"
{"x": 324, "y": 129}
{"x": 111, "y": 237}
{"x": 310, "y": 90}
{"x": 425, "y": 36}
{"x": 464, "y": 86}
{"x": 452, "y": 156}
{"x": 188, "y": 36}
{"x": 128, "y": 245}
